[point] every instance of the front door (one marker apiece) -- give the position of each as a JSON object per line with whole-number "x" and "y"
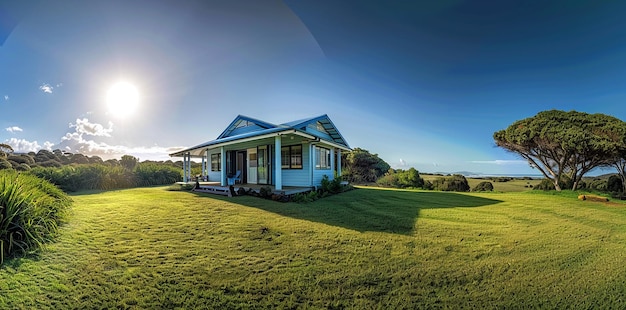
{"x": 262, "y": 165}
{"x": 252, "y": 166}
{"x": 241, "y": 165}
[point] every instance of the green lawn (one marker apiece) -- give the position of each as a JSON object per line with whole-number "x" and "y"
{"x": 368, "y": 248}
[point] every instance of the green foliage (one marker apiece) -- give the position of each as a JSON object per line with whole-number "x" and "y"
{"x": 5, "y": 150}
{"x": 31, "y": 210}
{"x": 360, "y": 166}
{"x": 401, "y": 179}
{"x": 148, "y": 174}
{"x": 128, "y": 162}
{"x": 306, "y": 197}
{"x": 484, "y": 186}
{"x": 560, "y": 143}
{"x": 614, "y": 184}
{"x": 105, "y": 177}
{"x": 454, "y": 183}
{"x": 331, "y": 186}
{"x": 5, "y": 164}
{"x": 265, "y": 192}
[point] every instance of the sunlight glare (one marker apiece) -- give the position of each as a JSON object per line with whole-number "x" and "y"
{"x": 122, "y": 99}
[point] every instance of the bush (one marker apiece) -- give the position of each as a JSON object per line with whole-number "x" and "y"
{"x": 401, "y": 179}
{"x": 331, "y": 186}
{"x": 483, "y": 187}
{"x": 305, "y": 197}
{"x": 31, "y": 210}
{"x": 614, "y": 184}
{"x": 545, "y": 185}
{"x": 265, "y": 192}
{"x": 455, "y": 183}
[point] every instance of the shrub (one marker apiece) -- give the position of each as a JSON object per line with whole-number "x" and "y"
{"x": 5, "y": 164}
{"x": 401, "y": 179}
{"x": 265, "y": 192}
{"x": 455, "y": 183}
{"x": 614, "y": 184}
{"x": 31, "y": 210}
{"x": 331, "y": 186}
{"x": 305, "y": 197}
{"x": 484, "y": 186}
{"x": 545, "y": 185}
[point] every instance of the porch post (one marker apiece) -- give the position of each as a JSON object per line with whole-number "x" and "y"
{"x": 223, "y": 166}
{"x": 208, "y": 163}
{"x": 332, "y": 163}
{"x": 185, "y": 167}
{"x": 188, "y": 167}
{"x": 202, "y": 166}
{"x": 338, "y": 162}
{"x": 278, "y": 163}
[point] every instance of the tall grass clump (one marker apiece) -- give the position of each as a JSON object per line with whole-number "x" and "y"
{"x": 31, "y": 210}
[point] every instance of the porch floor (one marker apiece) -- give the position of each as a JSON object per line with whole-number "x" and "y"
{"x": 217, "y": 188}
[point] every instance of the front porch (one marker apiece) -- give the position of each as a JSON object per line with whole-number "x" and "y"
{"x": 217, "y": 188}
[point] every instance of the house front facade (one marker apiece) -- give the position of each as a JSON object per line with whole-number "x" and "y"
{"x": 298, "y": 153}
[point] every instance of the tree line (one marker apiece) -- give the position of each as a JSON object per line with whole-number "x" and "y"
{"x": 75, "y": 172}
{"x": 564, "y": 146}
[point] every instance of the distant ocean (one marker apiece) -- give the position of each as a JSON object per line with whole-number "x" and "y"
{"x": 481, "y": 175}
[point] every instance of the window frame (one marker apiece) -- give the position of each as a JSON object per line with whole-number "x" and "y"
{"x": 216, "y": 161}
{"x": 319, "y": 152}
{"x": 287, "y": 159}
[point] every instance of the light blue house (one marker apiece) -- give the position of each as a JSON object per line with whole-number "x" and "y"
{"x": 297, "y": 153}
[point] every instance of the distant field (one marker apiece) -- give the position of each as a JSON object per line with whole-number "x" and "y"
{"x": 515, "y": 185}
{"x": 149, "y": 248}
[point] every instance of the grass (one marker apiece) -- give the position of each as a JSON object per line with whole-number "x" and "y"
{"x": 149, "y": 248}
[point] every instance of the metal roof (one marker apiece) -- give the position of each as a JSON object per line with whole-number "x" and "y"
{"x": 297, "y": 127}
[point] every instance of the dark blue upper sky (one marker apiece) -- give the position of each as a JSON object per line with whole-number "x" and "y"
{"x": 422, "y": 83}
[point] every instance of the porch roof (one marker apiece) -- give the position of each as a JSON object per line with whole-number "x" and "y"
{"x": 296, "y": 128}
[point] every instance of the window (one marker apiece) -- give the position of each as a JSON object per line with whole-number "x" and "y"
{"x": 216, "y": 162}
{"x": 322, "y": 158}
{"x": 291, "y": 157}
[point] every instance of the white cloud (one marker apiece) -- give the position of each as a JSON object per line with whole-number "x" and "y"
{"x": 46, "y": 88}
{"x": 48, "y": 145}
{"x": 6, "y": 97}
{"x": 81, "y": 140}
{"x": 83, "y": 126}
{"x": 402, "y": 163}
{"x": 25, "y": 146}
{"x": 500, "y": 162}
{"x": 13, "y": 129}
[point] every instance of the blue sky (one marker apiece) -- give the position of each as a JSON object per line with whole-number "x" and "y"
{"x": 422, "y": 83}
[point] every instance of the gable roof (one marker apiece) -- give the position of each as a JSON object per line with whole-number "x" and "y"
{"x": 246, "y": 121}
{"x": 325, "y": 123}
{"x": 245, "y": 128}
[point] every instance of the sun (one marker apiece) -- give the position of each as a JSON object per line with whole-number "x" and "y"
{"x": 122, "y": 99}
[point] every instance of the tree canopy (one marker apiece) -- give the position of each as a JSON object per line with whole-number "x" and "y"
{"x": 564, "y": 144}
{"x": 360, "y": 165}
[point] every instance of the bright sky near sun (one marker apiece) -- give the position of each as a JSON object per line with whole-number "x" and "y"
{"x": 422, "y": 83}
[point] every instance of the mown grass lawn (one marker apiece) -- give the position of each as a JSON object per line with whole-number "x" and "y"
{"x": 368, "y": 248}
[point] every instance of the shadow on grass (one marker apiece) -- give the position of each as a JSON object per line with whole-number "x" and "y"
{"x": 392, "y": 211}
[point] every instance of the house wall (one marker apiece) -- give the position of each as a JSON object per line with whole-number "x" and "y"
{"x": 318, "y": 174}
{"x": 299, "y": 177}
{"x": 290, "y": 177}
{"x": 214, "y": 176}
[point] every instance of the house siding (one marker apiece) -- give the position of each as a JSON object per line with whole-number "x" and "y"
{"x": 318, "y": 174}
{"x": 214, "y": 176}
{"x": 290, "y": 177}
{"x": 299, "y": 177}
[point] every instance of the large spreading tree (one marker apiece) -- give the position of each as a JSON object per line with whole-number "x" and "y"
{"x": 564, "y": 145}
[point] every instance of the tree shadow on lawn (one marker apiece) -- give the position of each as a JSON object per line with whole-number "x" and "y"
{"x": 392, "y": 211}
